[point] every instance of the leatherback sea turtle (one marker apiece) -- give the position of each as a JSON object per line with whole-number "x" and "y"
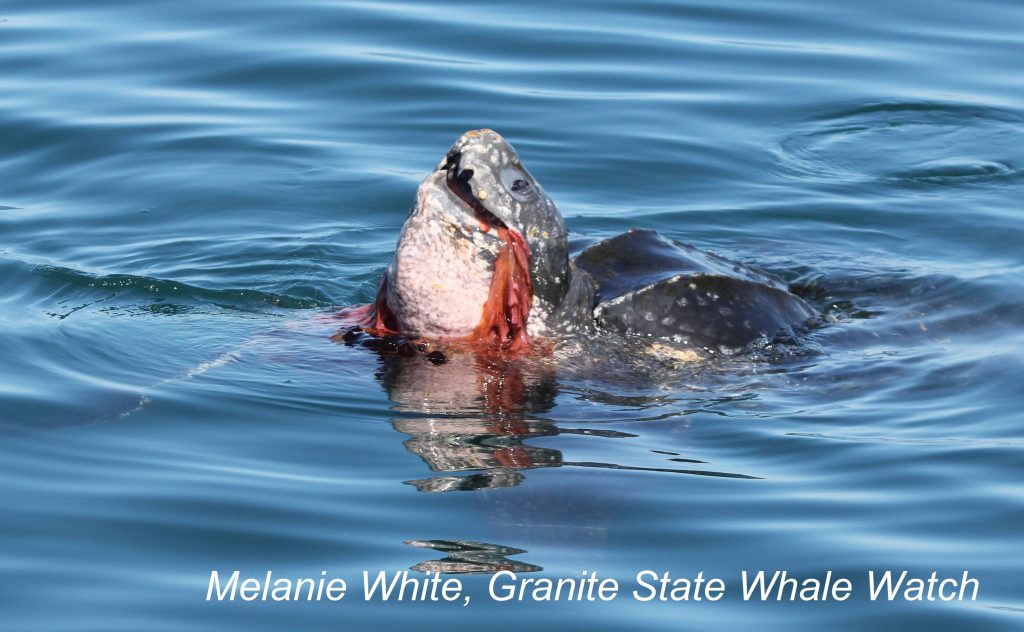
{"x": 483, "y": 258}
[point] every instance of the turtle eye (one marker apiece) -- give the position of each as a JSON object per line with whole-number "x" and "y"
{"x": 519, "y": 184}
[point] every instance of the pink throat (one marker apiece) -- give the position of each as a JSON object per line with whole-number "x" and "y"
{"x": 503, "y": 321}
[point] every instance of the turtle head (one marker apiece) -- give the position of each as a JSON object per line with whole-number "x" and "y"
{"x": 482, "y": 253}
{"x": 484, "y": 171}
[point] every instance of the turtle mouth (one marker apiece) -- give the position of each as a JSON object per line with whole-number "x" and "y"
{"x": 505, "y": 314}
{"x": 457, "y": 180}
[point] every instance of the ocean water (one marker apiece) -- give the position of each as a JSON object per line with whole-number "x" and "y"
{"x": 188, "y": 191}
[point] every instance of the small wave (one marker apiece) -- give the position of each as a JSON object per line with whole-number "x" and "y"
{"x": 930, "y": 143}
{"x": 953, "y": 168}
{"x": 65, "y": 290}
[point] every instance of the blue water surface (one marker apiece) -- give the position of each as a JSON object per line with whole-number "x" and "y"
{"x": 188, "y": 189}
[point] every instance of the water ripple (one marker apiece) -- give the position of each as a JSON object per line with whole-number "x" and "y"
{"x": 902, "y": 143}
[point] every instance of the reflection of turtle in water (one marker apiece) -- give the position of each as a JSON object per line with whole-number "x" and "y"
{"x": 471, "y": 419}
{"x": 483, "y": 258}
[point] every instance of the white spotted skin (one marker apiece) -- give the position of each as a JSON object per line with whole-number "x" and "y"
{"x": 441, "y": 275}
{"x": 537, "y": 322}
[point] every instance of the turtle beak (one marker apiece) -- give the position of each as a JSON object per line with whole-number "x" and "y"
{"x": 458, "y": 180}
